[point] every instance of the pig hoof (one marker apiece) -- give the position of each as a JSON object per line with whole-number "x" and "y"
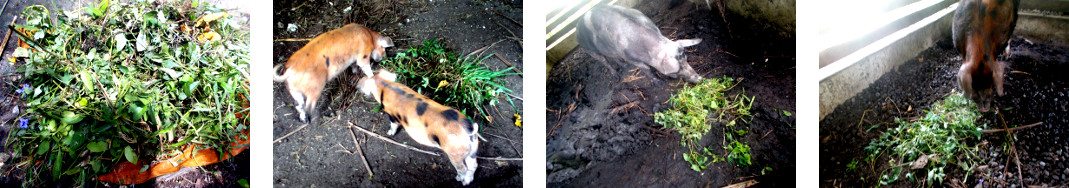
{"x": 393, "y": 129}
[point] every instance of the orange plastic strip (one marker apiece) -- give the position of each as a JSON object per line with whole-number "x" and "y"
{"x": 129, "y": 173}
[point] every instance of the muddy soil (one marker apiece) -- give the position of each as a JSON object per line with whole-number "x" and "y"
{"x": 325, "y": 155}
{"x": 1035, "y": 91}
{"x": 600, "y": 126}
{"x": 223, "y": 174}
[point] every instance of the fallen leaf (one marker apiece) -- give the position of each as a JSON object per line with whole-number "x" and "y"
{"x": 204, "y": 20}
{"x": 208, "y": 36}
{"x": 443, "y": 83}
{"x": 920, "y": 162}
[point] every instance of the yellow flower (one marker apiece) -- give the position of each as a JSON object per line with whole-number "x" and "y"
{"x": 519, "y": 120}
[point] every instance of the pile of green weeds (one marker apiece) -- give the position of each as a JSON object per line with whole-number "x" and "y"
{"x": 694, "y": 106}
{"x": 460, "y": 82}
{"x": 125, "y": 82}
{"x": 922, "y": 149}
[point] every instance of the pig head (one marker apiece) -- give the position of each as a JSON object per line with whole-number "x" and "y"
{"x": 626, "y": 35}
{"x": 980, "y": 32}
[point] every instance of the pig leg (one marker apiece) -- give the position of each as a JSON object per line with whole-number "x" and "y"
{"x": 604, "y": 61}
{"x": 310, "y": 106}
{"x": 363, "y": 67}
{"x": 298, "y": 99}
{"x": 393, "y": 129}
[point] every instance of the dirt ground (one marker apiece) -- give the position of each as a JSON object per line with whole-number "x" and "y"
{"x": 1036, "y": 91}
{"x": 324, "y": 155}
{"x": 601, "y": 130}
{"x": 223, "y": 174}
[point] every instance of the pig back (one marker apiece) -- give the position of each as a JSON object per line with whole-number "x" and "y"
{"x": 617, "y": 32}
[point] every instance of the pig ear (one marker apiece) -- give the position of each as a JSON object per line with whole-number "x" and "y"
{"x": 688, "y": 42}
{"x": 385, "y": 41}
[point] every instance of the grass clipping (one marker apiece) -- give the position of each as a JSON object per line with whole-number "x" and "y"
{"x": 923, "y": 148}
{"x": 694, "y": 106}
{"x": 125, "y": 82}
{"x": 456, "y": 81}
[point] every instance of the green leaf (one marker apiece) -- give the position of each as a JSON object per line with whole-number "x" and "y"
{"x": 130, "y": 156}
{"x": 71, "y": 118}
{"x": 137, "y": 111}
{"x": 98, "y": 146}
{"x": 170, "y": 72}
{"x": 57, "y": 165}
{"x": 145, "y": 168}
{"x": 41, "y": 149}
{"x": 87, "y": 81}
{"x": 120, "y": 41}
{"x": 142, "y": 43}
{"x": 82, "y": 102}
{"x": 184, "y": 141}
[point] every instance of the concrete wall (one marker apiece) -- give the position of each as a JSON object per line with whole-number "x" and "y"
{"x": 849, "y": 81}
{"x": 837, "y": 88}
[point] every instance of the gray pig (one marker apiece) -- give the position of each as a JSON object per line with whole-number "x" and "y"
{"x": 622, "y": 33}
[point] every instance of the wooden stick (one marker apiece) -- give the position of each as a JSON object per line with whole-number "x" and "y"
{"x": 514, "y": 69}
{"x": 361, "y": 152}
{"x": 1012, "y": 129}
{"x": 3, "y": 46}
{"x": 422, "y": 151}
{"x": 390, "y": 141}
{"x": 291, "y": 133}
{"x": 511, "y": 143}
{"x": 500, "y": 159}
{"x": 293, "y": 40}
{"x": 506, "y": 17}
{"x": 484, "y": 48}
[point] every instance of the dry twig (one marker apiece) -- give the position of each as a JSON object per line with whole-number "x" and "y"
{"x": 359, "y": 150}
{"x": 291, "y": 133}
{"x": 1012, "y": 129}
{"x": 380, "y": 137}
{"x": 293, "y": 40}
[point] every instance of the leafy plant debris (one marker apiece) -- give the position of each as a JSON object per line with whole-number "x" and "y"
{"x": 693, "y": 106}
{"x": 921, "y": 149}
{"x": 456, "y": 81}
{"x": 127, "y": 82}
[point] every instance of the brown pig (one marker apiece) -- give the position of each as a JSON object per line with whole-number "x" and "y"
{"x": 427, "y": 122}
{"x": 309, "y": 69}
{"x": 981, "y": 30}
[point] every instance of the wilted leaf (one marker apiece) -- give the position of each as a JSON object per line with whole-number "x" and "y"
{"x": 120, "y": 41}
{"x": 142, "y": 43}
{"x": 21, "y": 52}
{"x": 204, "y": 20}
{"x": 208, "y": 36}
{"x": 171, "y": 72}
{"x": 443, "y": 83}
{"x": 920, "y": 162}
{"x": 87, "y": 81}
